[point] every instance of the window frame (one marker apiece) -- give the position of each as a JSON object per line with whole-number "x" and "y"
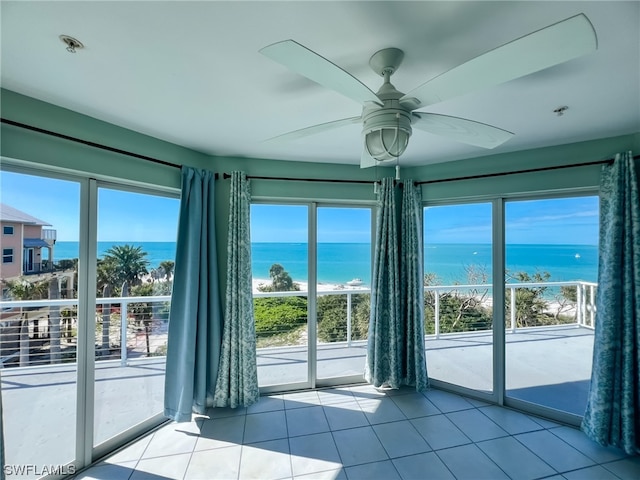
{"x": 86, "y": 451}
{"x": 499, "y": 395}
{"x": 5, "y": 229}
{"x": 8, "y": 253}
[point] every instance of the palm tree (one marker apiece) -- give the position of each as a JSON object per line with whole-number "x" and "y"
{"x": 167, "y": 267}
{"x": 129, "y": 264}
{"x": 24, "y": 290}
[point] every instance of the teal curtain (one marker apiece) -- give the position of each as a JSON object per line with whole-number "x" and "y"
{"x": 412, "y": 290}
{"x": 238, "y": 374}
{"x": 195, "y": 319}
{"x": 613, "y": 406}
{"x": 383, "y": 366}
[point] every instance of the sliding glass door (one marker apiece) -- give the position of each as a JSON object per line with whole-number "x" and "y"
{"x": 82, "y": 354}
{"x": 311, "y": 276}
{"x": 280, "y": 266}
{"x": 136, "y": 242}
{"x": 551, "y": 275}
{"x": 343, "y": 291}
{"x": 39, "y": 322}
{"x": 458, "y": 294}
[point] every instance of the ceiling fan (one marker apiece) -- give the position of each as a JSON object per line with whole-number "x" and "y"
{"x": 388, "y": 116}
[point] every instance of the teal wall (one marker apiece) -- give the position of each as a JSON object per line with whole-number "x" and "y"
{"x": 62, "y": 155}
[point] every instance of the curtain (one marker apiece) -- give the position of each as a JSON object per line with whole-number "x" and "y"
{"x": 238, "y": 374}
{"x": 613, "y": 406}
{"x": 412, "y": 291}
{"x": 193, "y": 346}
{"x": 383, "y": 366}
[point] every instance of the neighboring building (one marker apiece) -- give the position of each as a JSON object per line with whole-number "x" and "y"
{"x": 22, "y": 238}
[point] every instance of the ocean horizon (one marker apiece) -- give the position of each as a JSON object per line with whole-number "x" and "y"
{"x": 341, "y": 262}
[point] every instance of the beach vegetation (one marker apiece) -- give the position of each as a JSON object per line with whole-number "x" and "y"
{"x": 125, "y": 263}
{"x": 277, "y": 315}
{"x": 460, "y": 310}
{"x": 281, "y": 281}
{"x": 332, "y": 317}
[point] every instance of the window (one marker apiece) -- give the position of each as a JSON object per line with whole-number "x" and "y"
{"x": 458, "y": 294}
{"x": 280, "y": 261}
{"x": 137, "y": 247}
{"x": 7, "y": 255}
{"x": 7, "y": 230}
{"x": 126, "y": 382}
{"x": 551, "y": 273}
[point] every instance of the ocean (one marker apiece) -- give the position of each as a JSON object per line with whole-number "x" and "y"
{"x": 342, "y": 262}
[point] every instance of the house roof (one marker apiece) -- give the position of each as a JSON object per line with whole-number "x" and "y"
{"x": 11, "y": 214}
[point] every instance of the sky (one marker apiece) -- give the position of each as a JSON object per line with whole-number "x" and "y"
{"x": 125, "y": 216}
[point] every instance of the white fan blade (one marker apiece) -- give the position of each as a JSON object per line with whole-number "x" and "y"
{"x": 305, "y": 132}
{"x": 306, "y": 62}
{"x": 460, "y": 129}
{"x": 545, "y": 48}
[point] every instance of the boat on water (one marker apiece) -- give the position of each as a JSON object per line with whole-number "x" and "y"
{"x": 577, "y": 255}
{"x": 355, "y": 282}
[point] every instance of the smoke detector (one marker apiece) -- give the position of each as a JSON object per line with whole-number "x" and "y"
{"x": 71, "y": 43}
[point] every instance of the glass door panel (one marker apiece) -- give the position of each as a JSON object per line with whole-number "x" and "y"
{"x": 458, "y": 294}
{"x": 136, "y": 252}
{"x": 552, "y": 269}
{"x": 343, "y": 290}
{"x": 40, "y": 218}
{"x": 280, "y": 259}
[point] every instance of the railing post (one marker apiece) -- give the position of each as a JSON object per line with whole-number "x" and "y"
{"x": 592, "y": 306}
{"x": 348, "y": 319}
{"x": 512, "y": 313}
{"x": 579, "y": 305}
{"x": 436, "y": 312}
{"x": 124, "y": 305}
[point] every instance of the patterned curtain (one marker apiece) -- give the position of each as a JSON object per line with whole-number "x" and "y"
{"x": 412, "y": 291}
{"x": 238, "y": 374}
{"x": 386, "y": 334}
{"x": 613, "y": 407}
{"x": 193, "y": 346}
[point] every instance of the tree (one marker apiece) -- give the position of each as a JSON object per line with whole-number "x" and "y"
{"x": 458, "y": 311}
{"x": 54, "y": 322}
{"x": 167, "y": 267}
{"x": 124, "y": 263}
{"x": 280, "y": 281}
{"x": 22, "y": 289}
{"x": 530, "y": 303}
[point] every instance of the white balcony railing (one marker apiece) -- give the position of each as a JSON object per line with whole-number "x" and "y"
{"x": 49, "y": 235}
{"x": 127, "y": 316}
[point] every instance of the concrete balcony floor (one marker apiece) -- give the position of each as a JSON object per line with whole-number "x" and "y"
{"x": 550, "y": 366}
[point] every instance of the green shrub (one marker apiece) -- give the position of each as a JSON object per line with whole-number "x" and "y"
{"x": 332, "y": 317}
{"x": 278, "y": 315}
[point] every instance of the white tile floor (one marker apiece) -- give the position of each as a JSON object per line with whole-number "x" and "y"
{"x": 360, "y": 433}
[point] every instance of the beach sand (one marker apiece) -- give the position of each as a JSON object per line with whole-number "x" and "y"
{"x": 322, "y": 287}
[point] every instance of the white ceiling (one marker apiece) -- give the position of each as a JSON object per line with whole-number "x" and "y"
{"x": 190, "y": 72}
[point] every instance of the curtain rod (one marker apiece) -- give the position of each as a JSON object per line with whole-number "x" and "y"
{"x": 529, "y": 170}
{"x": 87, "y": 142}
{"x": 325, "y": 180}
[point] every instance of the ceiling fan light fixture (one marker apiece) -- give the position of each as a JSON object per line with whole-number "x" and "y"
{"x": 386, "y": 143}
{"x": 386, "y": 134}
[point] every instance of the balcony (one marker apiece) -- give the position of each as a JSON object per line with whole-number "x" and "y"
{"x": 548, "y": 364}
{"x": 49, "y": 235}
